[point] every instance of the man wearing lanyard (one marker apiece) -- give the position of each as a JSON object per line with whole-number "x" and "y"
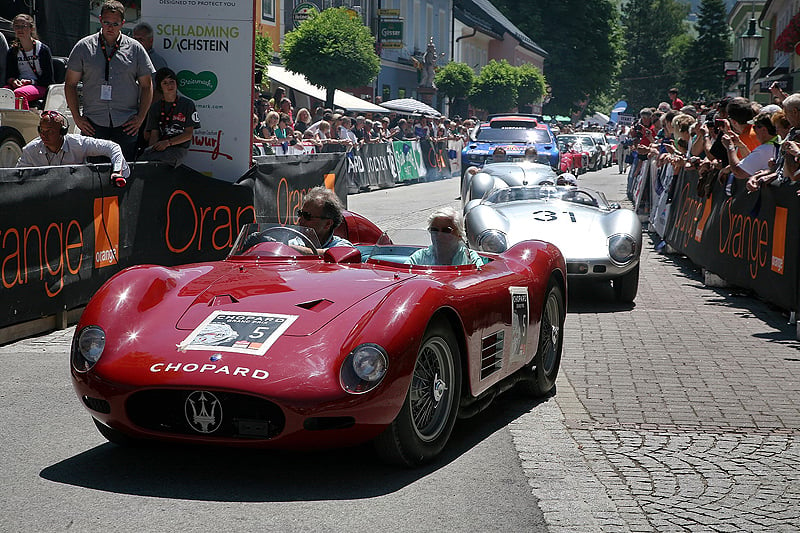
{"x": 117, "y": 84}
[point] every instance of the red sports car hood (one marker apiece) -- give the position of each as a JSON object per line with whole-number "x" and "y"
{"x": 315, "y": 294}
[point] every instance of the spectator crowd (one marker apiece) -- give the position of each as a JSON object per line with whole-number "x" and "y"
{"x": 735, "y": 141}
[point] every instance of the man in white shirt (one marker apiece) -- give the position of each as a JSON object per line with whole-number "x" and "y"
{"x": 758, "y": 159}
{"x": 346, "y": 132}
{"x": 55, "y": 146}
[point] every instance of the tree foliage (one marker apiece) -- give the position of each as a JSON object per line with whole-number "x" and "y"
{"x": 455, "y": 80}
{"x": 704, "y": 73}
{"x": 653, "y": 31}
{"x": 332, "y": 49}
{"x": 532, "y": 85}
{"x": 496, "y": 88}
{"x": 263, "y": 50}
{"x": 583, "y": 42}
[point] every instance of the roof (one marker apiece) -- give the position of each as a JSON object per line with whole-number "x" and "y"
{"x": 482, "y": 13}
{"x": 341, "y": 99}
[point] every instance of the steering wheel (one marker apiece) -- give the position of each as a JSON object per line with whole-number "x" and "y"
{"x": 582, "y": 197}
{"x": 284, "y": 235}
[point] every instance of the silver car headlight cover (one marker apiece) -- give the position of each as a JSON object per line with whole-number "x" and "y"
{"x": 364, "y": 368}
{"x": 492, "y": 240}
{"x": 622, "y": 248}
{"x": 88, "y": 347}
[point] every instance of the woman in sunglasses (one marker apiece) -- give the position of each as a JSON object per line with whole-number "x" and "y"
{"x": 447, "y": 242}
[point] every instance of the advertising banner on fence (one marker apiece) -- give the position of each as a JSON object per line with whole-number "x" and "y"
{"x": 744, "y": 238}
{"x": 280, "y": 182}
{"x": 408, "y": 156}
{"x": 372, "y": 165}
{"x": 209, "y": 44}
{"x": 82, "y": 230}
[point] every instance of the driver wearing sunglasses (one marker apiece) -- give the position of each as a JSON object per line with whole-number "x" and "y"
{"x": 322, "y": 212}
{"x": 447, "y": 242}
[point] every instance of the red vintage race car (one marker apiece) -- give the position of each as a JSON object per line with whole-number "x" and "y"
{"x": 277, "y": 348}
{"x": 573, "y": 159}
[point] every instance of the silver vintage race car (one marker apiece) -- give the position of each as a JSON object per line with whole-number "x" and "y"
{"x": 599, "y": 240}
{"x": 493, "y": 175}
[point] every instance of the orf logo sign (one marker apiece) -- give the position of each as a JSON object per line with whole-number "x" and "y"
{"x": 106, "y": 231}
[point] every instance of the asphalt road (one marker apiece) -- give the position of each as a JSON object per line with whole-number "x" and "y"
{"x": 678, "y": 413}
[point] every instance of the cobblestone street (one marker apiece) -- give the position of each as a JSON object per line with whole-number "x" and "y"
{"x": 682, "y": 412}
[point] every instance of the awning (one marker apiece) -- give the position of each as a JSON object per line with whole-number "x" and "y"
{"x": 341, "y": 99}
{"x": 409, "y": 106}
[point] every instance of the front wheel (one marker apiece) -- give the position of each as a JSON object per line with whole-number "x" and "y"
{"x": 10, "y": 147}
{"x": 546, "y": 362}
{"x": 627, "y": 286}
{"x": 429, "y": 411}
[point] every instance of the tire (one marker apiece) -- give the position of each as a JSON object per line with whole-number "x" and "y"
{"x": 544, "y": 368}
{"x": 626, "y": 287}
{"x": 10, "y": 147}
{"x": 115, "y": 437}
{"x": 424, "y": 423}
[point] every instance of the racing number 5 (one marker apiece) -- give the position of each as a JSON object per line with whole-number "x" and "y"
{"x": 257, "y": 333}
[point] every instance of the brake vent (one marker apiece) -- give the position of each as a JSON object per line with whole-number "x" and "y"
{"x": 491, "y": 353}
{"x": 316, "y": 305}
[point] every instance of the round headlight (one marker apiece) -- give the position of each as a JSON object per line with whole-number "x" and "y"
{"x": 492, "y": 240}
{"x": 89, "y": 347}
{"x": 364, "y": 368}
{"x": 621, "y": 248}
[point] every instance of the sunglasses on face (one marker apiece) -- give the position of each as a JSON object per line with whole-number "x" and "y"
{"x": 21, "y": 26}
{"x": 446, "y": 229}
{"x": 305, "y": 215}
{"x": 108, "y": 23}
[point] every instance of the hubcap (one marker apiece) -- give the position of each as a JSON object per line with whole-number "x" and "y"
{"x": 430, "y": 397}
{"x": 551, "y": 331}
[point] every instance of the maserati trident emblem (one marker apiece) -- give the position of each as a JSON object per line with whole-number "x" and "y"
{"x": 203, "y": 412}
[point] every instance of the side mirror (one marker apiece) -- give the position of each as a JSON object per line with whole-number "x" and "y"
{"x": 614, "y": 205}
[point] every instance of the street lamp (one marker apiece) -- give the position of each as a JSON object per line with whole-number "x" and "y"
{"x": 751, "y": 46}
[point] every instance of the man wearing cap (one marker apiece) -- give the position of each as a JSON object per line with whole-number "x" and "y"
{"x": 55, "y": 146}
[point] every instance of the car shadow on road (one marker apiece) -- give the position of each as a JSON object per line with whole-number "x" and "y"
{"x": 238, "y": 475}
{"x": 586, "y": 296}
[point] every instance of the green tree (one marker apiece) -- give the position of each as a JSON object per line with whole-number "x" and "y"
{"x": 263, "y": 50}
{"x": 653, "y": 30}
{"x": 455, "y": 81}
{"x": 332, "y": 49}
{"x": 495, "y": 90}
{"x": 583, "y": 42}
{"x": 532, "y": 85}
{"x": 704, "y": 73}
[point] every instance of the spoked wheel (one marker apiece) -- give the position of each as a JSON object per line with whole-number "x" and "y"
{"x": 426, "y": 419}
{"x": 546, "y": 362}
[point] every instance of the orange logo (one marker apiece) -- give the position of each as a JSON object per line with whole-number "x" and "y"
{"x": 106, "y": 231}
{"x": 330, "y": 181}
{"x": 779, "y": 239}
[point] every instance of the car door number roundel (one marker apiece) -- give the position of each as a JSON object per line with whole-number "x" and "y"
{"x": 545, "y": 215}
